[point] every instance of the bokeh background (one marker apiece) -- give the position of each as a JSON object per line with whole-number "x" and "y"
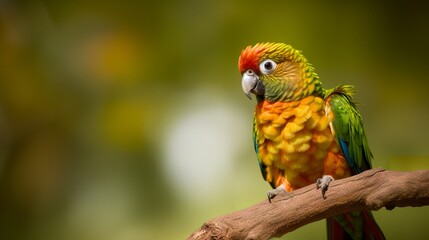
{"x": 124, "y": 120}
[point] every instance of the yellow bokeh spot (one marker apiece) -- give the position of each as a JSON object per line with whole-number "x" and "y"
{"x": 112, "y": 58}
{"x": 122, "y": 123}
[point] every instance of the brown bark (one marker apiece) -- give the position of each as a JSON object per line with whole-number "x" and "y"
{"x": 372, "y": 190}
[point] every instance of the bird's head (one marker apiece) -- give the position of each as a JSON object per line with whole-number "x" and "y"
{"x": 277, "y": 72}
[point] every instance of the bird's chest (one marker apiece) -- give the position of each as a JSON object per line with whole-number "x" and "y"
{"x": 294, "y": 136}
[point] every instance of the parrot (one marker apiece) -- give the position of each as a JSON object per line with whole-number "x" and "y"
{"x": 303, "y": 133}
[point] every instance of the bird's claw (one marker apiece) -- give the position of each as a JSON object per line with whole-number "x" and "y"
{"x": 323, "y": 183}
{"x": 272, "y": 193}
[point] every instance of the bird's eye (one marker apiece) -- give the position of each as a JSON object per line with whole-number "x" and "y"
{"x": 267, "y": 66}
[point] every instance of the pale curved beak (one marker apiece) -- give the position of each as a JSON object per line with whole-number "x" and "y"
{"x": 249, "y": 82}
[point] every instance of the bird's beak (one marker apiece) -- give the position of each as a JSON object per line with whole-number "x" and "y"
{"x": 251, "y": 84}
{"x": 248, "y": 82}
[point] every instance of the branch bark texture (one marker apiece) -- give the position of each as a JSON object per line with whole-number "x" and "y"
{"x": 372, "y": 190}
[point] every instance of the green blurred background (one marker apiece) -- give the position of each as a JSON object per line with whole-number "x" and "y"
{"x": 123, "y": 120}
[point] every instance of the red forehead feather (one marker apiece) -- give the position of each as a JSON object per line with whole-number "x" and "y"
{"x": 249, "y": 58}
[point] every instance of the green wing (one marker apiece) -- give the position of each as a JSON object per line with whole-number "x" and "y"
{"x": 255, "y": 145}
{"x": 262, "y": 166}
{"x": 348, "y": 128}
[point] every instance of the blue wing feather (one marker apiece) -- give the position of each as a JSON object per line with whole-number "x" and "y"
{"x": 349, "y": 158}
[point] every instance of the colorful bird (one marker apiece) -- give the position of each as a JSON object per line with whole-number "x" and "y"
{"x": 305, "y": 134}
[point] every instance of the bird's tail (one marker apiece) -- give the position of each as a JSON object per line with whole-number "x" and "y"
{"x": 354, "y": 225}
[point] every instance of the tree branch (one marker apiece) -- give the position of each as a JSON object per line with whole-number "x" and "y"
{"x": 372, "y": 190}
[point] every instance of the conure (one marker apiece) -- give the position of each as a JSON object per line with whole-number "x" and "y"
{"x": 303, "y": 133}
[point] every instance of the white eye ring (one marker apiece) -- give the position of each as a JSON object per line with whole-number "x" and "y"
{"x": 267, "y": 66}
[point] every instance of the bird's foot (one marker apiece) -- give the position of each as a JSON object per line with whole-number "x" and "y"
{"x": 323, "y": 183}
{"x": 272, "y": 193}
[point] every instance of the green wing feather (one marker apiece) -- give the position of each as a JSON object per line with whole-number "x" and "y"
{"x": 350, "y": 135}
{"x": 262, "y": 166}
{"x": 348, "y": 128}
